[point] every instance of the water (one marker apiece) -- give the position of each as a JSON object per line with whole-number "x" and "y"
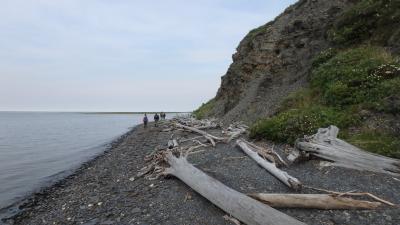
{"x": 36, "y": 149}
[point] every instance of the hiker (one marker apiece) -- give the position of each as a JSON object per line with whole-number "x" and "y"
{"x": 156, "y": 119}
{"x": 162, "y": 114}
{"x": 145, "y": 120}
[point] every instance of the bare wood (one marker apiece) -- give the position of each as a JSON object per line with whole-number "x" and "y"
{"x": 209, "y": 137}
{"x": 233, "y": 220}
{"x": 191, "y": 139}
{"x": 270, "y": 151}
{"x": 284, "y": 177}
{"x": 351, "y": 193}
{"x": 205, "y": 127}
{"x": 175, "y": 143}
{"x": 242, "y": 207}
{"x": 326, "y": 145}
{"x": 313, "y": 201}
{"x": 170, "y": 144}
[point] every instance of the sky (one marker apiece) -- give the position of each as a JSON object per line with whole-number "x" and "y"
{"x": 120, "y": 55}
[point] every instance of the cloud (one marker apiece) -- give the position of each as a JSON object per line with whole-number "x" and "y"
{"x": 179, "y": 44}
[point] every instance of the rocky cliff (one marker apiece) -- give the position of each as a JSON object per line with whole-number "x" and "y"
{"x": 320, "y": 63}
{"x": 274, "y": 59}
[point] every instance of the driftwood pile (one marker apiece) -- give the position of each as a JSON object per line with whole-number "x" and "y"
{"x": 256, "y": 208}
{"x": 325, "y": 144}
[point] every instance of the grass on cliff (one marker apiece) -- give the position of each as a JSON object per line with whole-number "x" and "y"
{"x": 371, "y": 20}
{"x": 204, "y": 109}
{"x": 342, "y": 86}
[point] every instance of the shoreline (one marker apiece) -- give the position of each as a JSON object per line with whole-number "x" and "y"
{"x": 14, "y": 209}
{"x": 106, "y": 190}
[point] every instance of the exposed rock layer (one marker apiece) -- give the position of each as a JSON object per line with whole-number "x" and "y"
{"x": 274, "y": 59}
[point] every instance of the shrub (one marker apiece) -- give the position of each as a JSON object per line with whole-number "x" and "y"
{"x": 372, "y": 20}
{"x": 354, "y": 76}
{"x": 292, "y": 124}
{"x": 323, "y": 57}
{"x": 303, "y": 98}
{"x": 204, "y": 109}
{"x": 377, "y": 142}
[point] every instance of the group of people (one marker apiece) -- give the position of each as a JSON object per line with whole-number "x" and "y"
{"x": 156, "y": 119}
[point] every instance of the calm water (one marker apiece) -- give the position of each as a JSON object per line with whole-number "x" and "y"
{"x": 39, "y": 148}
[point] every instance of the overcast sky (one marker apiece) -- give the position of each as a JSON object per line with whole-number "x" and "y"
{"x": 120, "y": 55}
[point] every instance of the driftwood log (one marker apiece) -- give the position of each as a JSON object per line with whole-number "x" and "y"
{"x": 313, "y": 201}
{"x": 173, "y": 143}
{"x": 325, "y": 144}
{"x": 284, "y": 177}
{"x": 211, "y": 138}
{"x": 242, "y": 207}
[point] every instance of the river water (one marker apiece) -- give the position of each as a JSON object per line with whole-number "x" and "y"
{"x": 37, "y": 148}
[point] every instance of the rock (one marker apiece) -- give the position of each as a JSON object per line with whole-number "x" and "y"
{"x": 273, "y": 60}
{"x": 136, "y": 210}
{"x": 107, "y": 222}
{"x": 92, "y": 222}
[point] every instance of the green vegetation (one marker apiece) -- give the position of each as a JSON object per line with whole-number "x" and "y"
{"x": 342, "y": 85}
{"x": 377, "y": 142}
{"x": 356, "y": 76}
{"x": 256, "y": 31}
{"x": 289, "y": 125}
{"x": 369, "y": 20}
{"x": 204, "y": 109}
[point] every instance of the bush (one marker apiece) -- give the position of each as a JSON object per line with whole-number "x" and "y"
{"x": 342, "y": 84}
{"x": 354, "y": 76}
{"x": 373, "y": 20}
{"x": 323, "y": 57}
{"x": 303, "y": 98}
{"x": 292, "y": 124}
{"x": 204, "y": 109}
{"x": 377, "y": 142}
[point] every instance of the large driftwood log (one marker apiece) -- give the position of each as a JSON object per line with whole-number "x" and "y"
{"x": 313, "y": 201}
{"x": 211, "y": 138}
{"x": 326, "y": 145}
{"x": 284, "y": 177}
{"x": 242, "y": 207}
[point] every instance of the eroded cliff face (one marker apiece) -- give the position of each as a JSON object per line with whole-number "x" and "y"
{"x": 274, "y": 59}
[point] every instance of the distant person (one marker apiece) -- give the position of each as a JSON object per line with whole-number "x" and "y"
{"x": 162, "y": 114}
{"x": 156, "y": 119}
{"x": 145, "y": 120}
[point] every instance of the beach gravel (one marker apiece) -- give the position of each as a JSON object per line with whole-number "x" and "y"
{"x": 106, "y": 190}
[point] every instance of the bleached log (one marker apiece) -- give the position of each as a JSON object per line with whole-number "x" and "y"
{"x": 263, "y": 150}
{"x": 313, "y": 201}
{"x": 240, "y": 206}
{"x": 211, "y": 138}
{"x": 173, "y": 143}
{"x": 170, "y": 144}
{"x": 325, "y": 144}
{"x": 209, "y": 126}
{"x": 284, "y": 177}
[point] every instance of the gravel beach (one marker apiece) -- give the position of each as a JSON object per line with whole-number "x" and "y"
{"x": 107, "y": 191}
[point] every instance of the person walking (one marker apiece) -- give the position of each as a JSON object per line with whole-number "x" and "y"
{"x": 145, "y": 120}
{"x": 162, "y": 114}
{"x": 156, "y": 119}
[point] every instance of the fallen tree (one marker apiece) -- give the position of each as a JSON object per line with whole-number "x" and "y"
{"x": 242, "y": 207}
{"x": 313, "y": 201}
{"x": 235, "y": 130}
{"x": 270, "y": 166}
{"x": 325, "y": 144}
{"x": 211, "y": 138}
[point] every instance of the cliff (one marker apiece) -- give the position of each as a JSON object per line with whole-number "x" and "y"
{"x": 274, "y": 59}
{"x": 320, "y": 63}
